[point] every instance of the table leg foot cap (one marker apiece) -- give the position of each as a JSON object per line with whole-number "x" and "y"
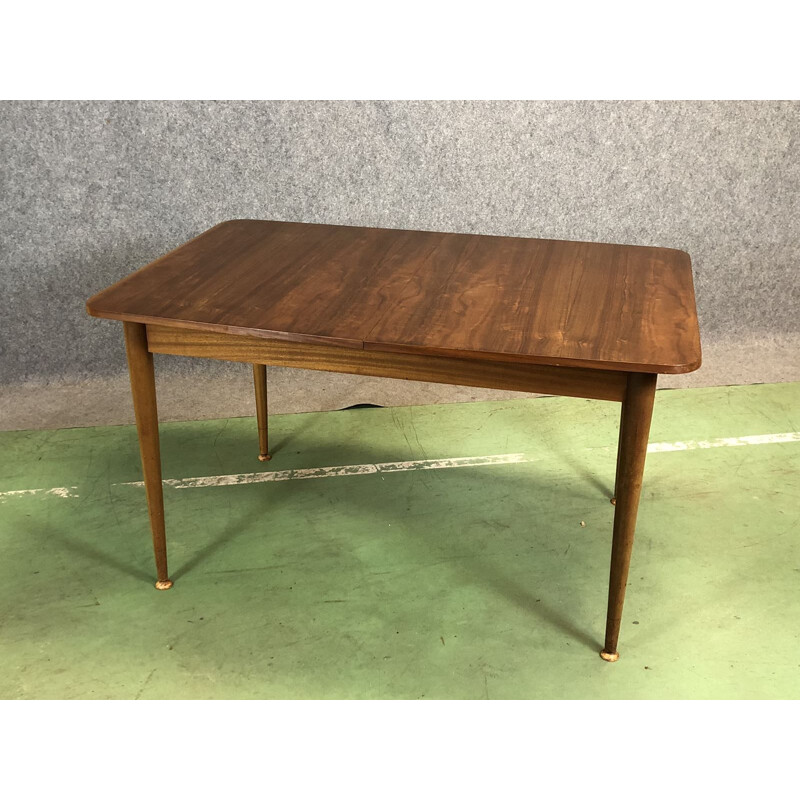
{"x": 163, "y": 585}
{"x": 264, "y": 457}
{"x": 608, "y": 656}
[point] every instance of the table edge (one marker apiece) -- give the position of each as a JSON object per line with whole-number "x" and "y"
{"x": 434, "y": 352}
{"x": 353, "y": 344}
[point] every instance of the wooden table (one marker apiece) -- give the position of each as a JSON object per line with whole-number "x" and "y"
{"x": 536, "y": 315}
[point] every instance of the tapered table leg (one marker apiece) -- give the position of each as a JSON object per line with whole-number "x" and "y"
{"x": 619, "y": 460}
{"x": 637, "y": 409}
{"x": 260, "y": 378}
{"x": 143, "y": 388}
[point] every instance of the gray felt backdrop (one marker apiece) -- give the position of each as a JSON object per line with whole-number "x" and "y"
{"x": 94, "y": 190}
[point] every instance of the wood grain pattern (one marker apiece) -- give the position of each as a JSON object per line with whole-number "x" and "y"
{"x": 569, "y": 381}
{"x": 537, "y": 301}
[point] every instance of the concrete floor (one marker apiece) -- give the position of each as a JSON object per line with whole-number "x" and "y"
{"x": 198, "y": 389}
{"x": 482, "y": 581}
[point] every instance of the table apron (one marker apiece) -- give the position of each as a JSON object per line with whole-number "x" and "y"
{"x": 597, "y": 384}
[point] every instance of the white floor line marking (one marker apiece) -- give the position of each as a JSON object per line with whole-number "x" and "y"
{"x": 402, "y": 466}
{"x": 732, "y": 441}
{"x": 58, "y": 491}
{"x": 337, "y": 472}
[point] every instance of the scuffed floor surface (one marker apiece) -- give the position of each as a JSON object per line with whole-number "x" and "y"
{"x": 481, "y": 578}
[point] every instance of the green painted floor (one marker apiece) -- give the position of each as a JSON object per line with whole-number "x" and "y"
{"x": 462, "y": 582}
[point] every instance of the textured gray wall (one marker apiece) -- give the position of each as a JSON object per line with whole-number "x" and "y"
{"x": 93, "y": 190}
